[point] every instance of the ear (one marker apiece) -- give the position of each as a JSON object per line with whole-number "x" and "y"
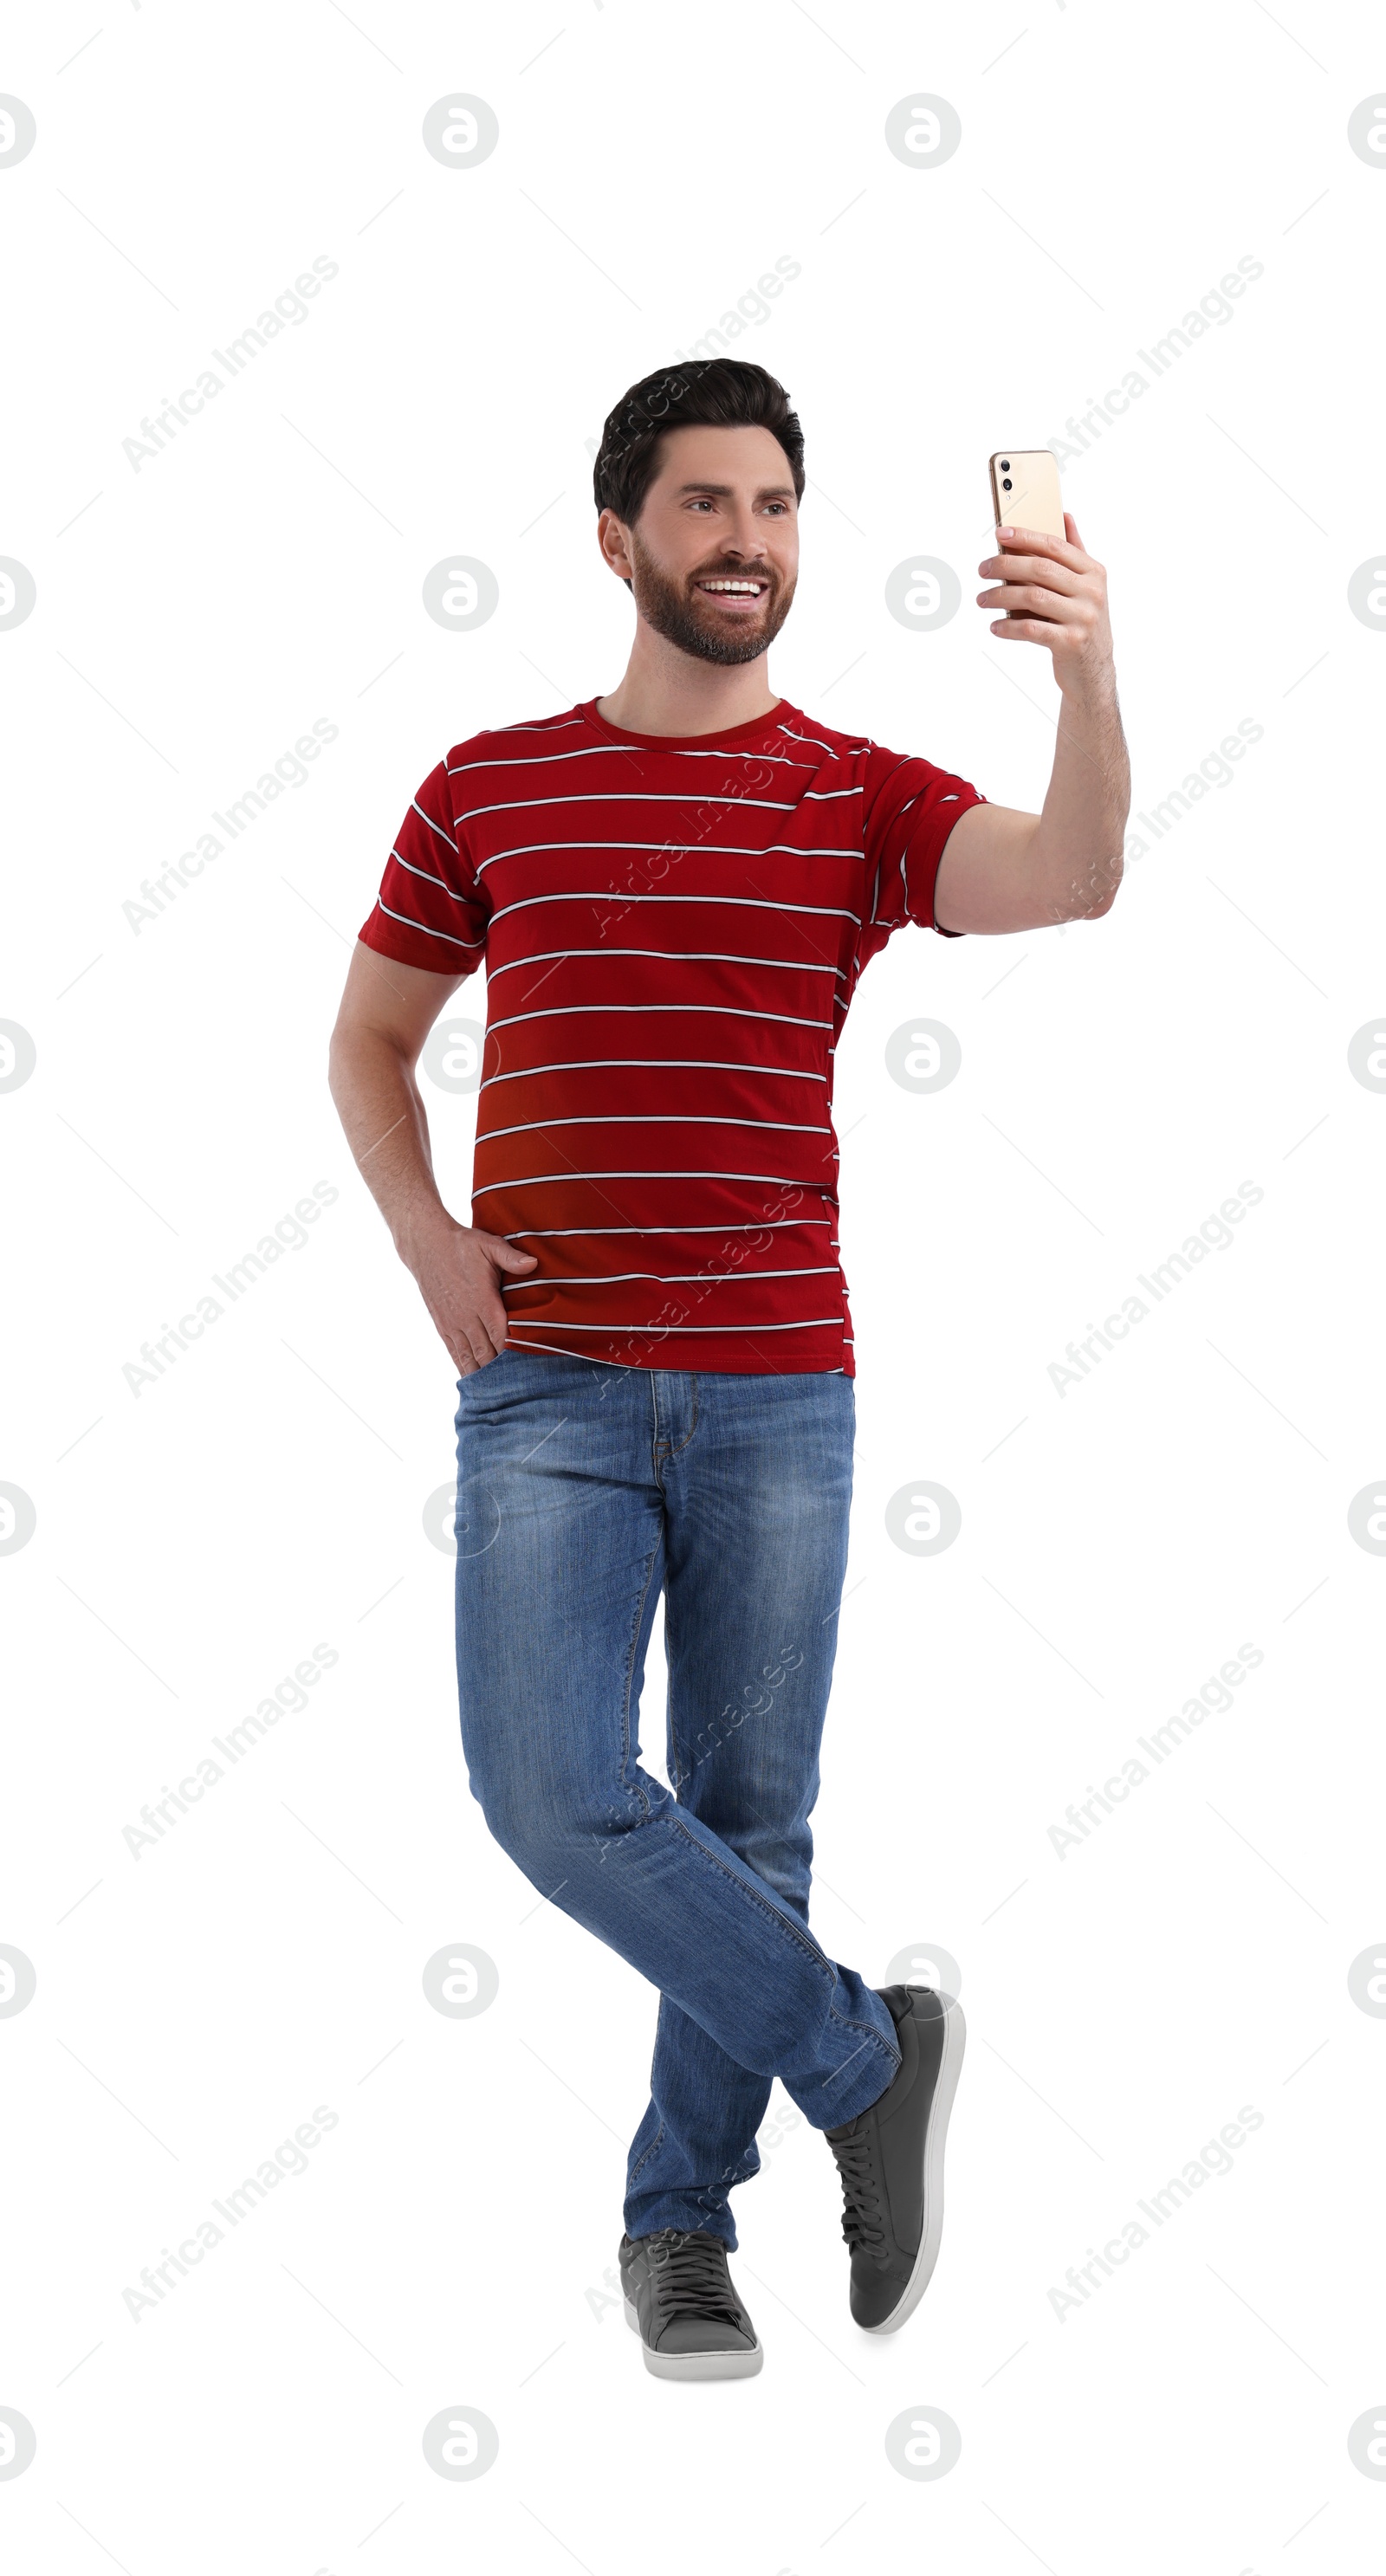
{"x": 611, "y": 538}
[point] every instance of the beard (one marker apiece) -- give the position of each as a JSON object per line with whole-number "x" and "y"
{"x": 681, "y": 613}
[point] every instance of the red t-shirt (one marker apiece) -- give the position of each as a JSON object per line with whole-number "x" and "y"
{"x": 672, "y": 928}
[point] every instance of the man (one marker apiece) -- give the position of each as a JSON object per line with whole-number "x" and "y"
{"x": 674, "y": 889}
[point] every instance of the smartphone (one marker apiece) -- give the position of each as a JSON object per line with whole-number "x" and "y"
{"x": 1025, "y": 491}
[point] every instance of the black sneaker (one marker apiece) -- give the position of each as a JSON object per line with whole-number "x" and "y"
{"x": 680, "y": 2300}
{"x": 891, "y": 2162}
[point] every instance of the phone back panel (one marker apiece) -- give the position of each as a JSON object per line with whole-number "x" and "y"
{"x": 1034, "y": 500}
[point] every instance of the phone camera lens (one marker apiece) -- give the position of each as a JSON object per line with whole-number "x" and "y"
{"x": 1006, "y": 484}
{"x": 1005, "y": 464}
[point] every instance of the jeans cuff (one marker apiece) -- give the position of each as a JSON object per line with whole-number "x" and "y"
{"x": 868, "y": 2073}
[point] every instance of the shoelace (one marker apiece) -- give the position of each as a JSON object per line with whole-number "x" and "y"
{"x": 862, "y": 2224}
{"x": 690, "y": 2281}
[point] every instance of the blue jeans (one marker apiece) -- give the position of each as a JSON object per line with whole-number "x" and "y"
{"x": 584, "y": 1491}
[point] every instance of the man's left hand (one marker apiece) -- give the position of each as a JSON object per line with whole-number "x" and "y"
{"x": 1052, "y": 593}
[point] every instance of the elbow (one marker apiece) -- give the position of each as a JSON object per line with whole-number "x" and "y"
{"x": 1100, "y": 889}
{"x": 335, "y": 1065}
{"x": 343, "y": 1062}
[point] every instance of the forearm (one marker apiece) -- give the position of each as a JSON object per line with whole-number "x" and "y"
{"x": 1075, "y": 851}
{"x": 386, "y": 1126}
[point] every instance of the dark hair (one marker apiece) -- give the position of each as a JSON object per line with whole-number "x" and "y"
{"x": 723, "y": 393}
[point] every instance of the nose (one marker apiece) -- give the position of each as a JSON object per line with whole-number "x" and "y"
{"x": 748, "y": 554}
{"x": 745, "y": 537}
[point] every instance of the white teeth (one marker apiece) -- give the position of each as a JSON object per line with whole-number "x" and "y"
{"x": 739, "y": 589}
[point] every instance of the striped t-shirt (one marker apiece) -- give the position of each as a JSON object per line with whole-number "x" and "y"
{"x": 672, "y": 929}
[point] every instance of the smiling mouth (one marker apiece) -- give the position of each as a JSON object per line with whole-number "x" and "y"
{"x": 734, "y": 591}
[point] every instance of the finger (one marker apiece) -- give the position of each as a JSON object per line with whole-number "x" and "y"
{"x": 1038, "y": 541}
{"x": 1034, "y": 568}
{"x": 1027, "y": 630}
{"x": 505, "y": 1255}
{"x": 457, "y": 1341}
{"x": 470, "y": 1338}
{"x": 1031, "y": 599}
{"x": 485, "y": 1336}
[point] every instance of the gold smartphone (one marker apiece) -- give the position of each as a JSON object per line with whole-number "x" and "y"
{"x": 1025, "y": 491}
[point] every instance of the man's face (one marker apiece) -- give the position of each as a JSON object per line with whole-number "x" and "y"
{"x": 714, "y": 557}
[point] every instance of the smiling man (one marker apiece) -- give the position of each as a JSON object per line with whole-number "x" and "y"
{"x": 674, "y": 889}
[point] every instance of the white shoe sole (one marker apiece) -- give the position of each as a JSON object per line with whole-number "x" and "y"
{"x": 696, "y": 2365}
{"x": 954, "y": 2042}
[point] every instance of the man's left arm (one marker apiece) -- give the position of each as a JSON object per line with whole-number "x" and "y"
{"x": 1006, "y": 870}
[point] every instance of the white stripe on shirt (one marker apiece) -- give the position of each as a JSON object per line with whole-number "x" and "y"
{"x": 424, "y": 930}
{"x": 686, "y": 1063}
{"x": 602, "y": 750}
{"x": 664, "y": 1278}
{"x": 665, "y": 1118}
{"x": 675, "y": 849}
{"x": 579, "y": 1010}
{"x": 663, "y": 1332}
{"x": 671, "y": 956}
{"x": 636, "y": 796}
{"x": 743, "y": 902}
{"x": 530, "y": 1180}
{"x": 729, "y": 1225}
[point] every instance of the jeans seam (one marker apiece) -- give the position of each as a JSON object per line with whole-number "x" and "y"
{"x": 835, "y": 2113}
{"x": 793, "y": 1931}
{"x": 867, "y": 2030}
{"x": 630, "y": 1676}
{"x": 636, "y": 2170}
{"x": 683, "y": 1444}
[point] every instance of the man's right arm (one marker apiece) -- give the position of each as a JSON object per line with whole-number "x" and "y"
{"x": 387, "y": 1010}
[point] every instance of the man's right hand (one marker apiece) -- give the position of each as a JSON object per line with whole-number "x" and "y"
{"x": 459, "y": 1270}
{"x": 386, "y": 1012}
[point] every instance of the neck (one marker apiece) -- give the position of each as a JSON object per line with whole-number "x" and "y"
{"x": 668, "y": 691}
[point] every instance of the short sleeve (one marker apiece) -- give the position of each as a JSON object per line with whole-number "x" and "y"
{"x": 430, "y": 910}
{"x": 909, "y": 810}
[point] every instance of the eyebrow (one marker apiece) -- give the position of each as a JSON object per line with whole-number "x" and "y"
{"x": 727, "y": 492}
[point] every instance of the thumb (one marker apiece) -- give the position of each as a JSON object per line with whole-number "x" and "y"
{"x": 511, "y": 1258}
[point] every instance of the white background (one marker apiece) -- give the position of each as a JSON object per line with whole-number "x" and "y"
{"x": 450, "y": 2241}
